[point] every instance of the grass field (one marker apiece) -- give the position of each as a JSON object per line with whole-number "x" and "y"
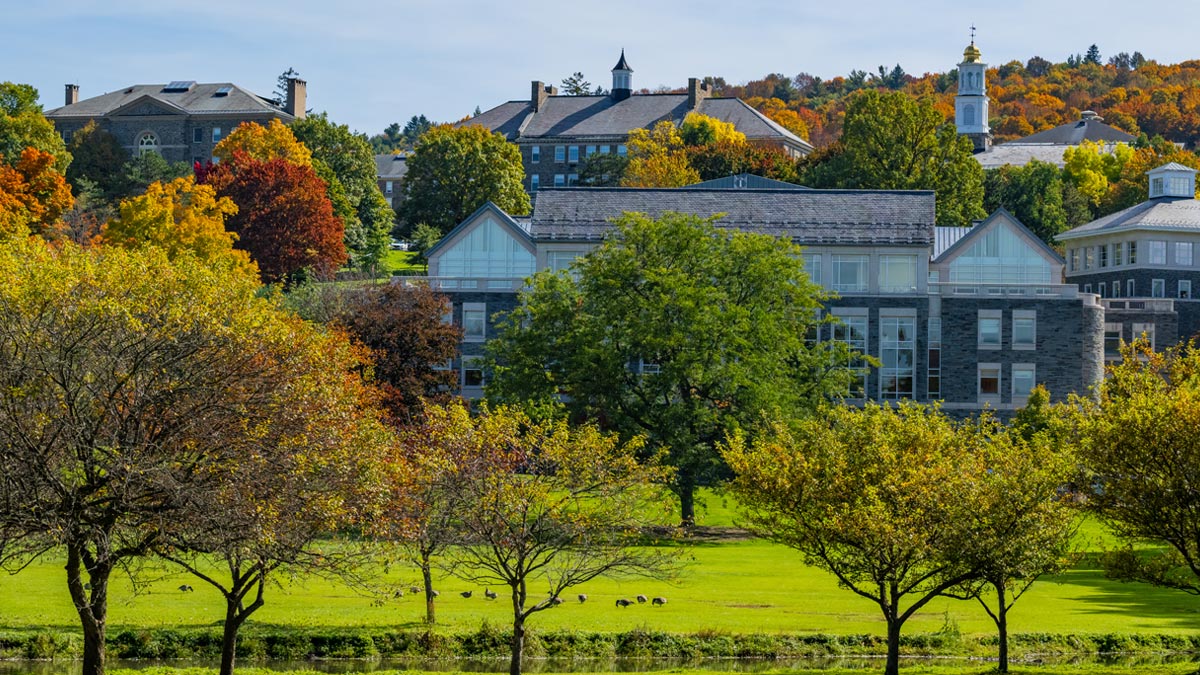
{"x": 735, "y": 586}
{"x": 401, "y": 261}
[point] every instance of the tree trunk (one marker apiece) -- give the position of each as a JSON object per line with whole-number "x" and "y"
{"x": 92, "y": 609}
{"x": 233, "y": 621}
{"x": 518, "y": 635}
{"x": 427, "y": 574}
{"x": 1002, "y": 627}
{"x": 687, "y": 501}
{"x": 893, "y": 647}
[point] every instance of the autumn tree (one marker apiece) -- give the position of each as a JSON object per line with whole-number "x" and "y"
{"x": 882, "y": 498}
{"x": 891, "y": 142}
{"x": 1139, "y": 445}
{"x": 178, "y": 217}
{"x": 672, "y": 329}
{"x": 22, "y": 125}
{"x": 118, "y": 417}
{"x": 728, "y": 158}
{"x": 284, "y": 220}
{"x": 100, "y": 158}
{"x": 33, "y": 194}
{"x": 697, "y": 129}
{"x": 264, "y": 143}
{"x": 542, "y": 508}
{"x": 455, "y": 170}
{"x": 658, "y": 158}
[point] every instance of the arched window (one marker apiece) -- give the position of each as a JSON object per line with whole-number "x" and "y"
{"x": 147, "y": 142}
{"x": 968, "y": 115}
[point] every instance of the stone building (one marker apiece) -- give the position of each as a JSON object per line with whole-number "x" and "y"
{"x": 1144, "y": 262}
{"x": 556, "y": 134}
{"x": 182, "y": 120}
{"x": 389, "y": 174}
{"x": 973, "y": 317}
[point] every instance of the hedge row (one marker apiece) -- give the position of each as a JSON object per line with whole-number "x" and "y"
{"x": 261, "y": 643}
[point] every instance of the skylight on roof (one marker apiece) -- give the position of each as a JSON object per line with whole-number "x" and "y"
{"x": 180, "y": 85}
{"x": 223, "y": 91}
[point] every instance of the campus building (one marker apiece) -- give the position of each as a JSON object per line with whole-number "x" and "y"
{"x": 974, "y": 317}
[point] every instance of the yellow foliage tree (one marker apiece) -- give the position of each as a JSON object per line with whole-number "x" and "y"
{"x": 179, "y": 217}
{"x": 274, "y": 141}
{"x": 1091, "y": 169}
{"x": 700, "y": 129}
{"x": 658, "y": 158}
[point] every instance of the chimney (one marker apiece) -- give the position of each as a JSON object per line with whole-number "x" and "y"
{"x": 72, "y": 94}
{"x": 297, "y": 97}
{"x": 697, "y": 92}
{"x": 538, "y": 92}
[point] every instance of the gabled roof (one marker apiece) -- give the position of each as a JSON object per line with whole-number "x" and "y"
{"x": 850, "y": 217}
{"x": 744, "y": 181}
{"x": 1162, "y": 213}
{"x": 391, "y": 166}
{"x": 200, "y": 99}
{"x": 506, "y": 221}
{"x": 1172, "y": 166}
{"x": 999, "y": 215}
{"x": 1074, "y": 133}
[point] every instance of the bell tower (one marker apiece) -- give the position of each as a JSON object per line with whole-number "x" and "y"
{"x": 971, "y": 103}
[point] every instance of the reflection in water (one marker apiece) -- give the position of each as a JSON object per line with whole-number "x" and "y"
{"x": 533, "y": 665}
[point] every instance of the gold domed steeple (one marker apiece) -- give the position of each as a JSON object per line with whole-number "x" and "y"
{"x": 972, "y": 54}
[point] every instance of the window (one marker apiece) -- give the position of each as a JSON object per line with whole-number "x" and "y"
{"x": 850, "y": 273}
{"x": 1158, "y": 288}
{"x": 812, "y": 265}
{"x": 591, "y": 150}
{"x": 1178, "y": 186}
{"x": 474, "y": 321}
{"x": 472, "y": 373}
{"x": 387, "y": 187}
{"x": 852, "y": 330}
{"x": 989, "y": 328}
{"x": 1130, "y": 289}
{"x": 604, "y": 149}
{"x": 897, "y": 273}
{"x": 560, "y": 180}
{"x": 1144, "y": 331}
{"x": 621, "y": 150}
{"x": 557, "y": 261}
{"x": 147, "y": 142}
{"x": 1158, "y": 253}
{"x": 1116, "y": 289}
{"x": 1112, "y": 340}
{"x": 1185, "y": 289}
{"x": 66, "y": 135}
{"x": 486, "y": 251}
{"x": 560, "y": 153}
{"x": 197, "y": 135}
{"x": 535, "y": 154}
{"x": 1073, "y": 259}
{"x": 1118, "y": 251}
{"x": 535, "y": 181}
{"x": 1089, "y": 257}
{"x": 1102, "y": 289}
{"x": 898, "y": 353}
{"x": 1087, "y": 288}
{"x": 647, "y": 368}
{"x": 573, "y": 154}
{"x": 935, "y": 358}
{"x": 1024, "y": 329}
{"x": 1156, "y": 187}
{"x": 1183, "y": 253}
{"x": 1133, "y": 253}
{"x": 572, "y": 179}
{"x": 1024, "y": 379}
{"x": 1002, "y": 256}
{"x": 989, "y": 382}
{"x": 1103, "y": 250}
{"x": 216, "y": 134}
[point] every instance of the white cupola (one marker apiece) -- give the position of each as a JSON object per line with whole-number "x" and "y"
{"x": 622, "y": 74}
{"x": 971, "y": 102}
{"x": 1172, "y": 180}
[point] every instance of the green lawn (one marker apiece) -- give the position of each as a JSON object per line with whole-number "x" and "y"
{"x": 401, "y": 261}
{"x": 908, "y": 667}
{"x": 737, "y": 586}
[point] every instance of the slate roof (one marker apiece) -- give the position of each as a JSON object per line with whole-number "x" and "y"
{"x": 743, "y": 181}
{"x": 201, "y": 99}
{"x": 390, "y": 167}
{"x": 603, "y": 116}
{"x": 1020, "y": 154}
{"x": 851, "y": 217}
{"x": 1074, "y": 133}
{"x": 1162, "y": 213}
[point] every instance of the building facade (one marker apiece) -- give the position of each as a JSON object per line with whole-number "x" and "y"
{"x": 557, "y": 134}
{"x": 973, "y": 317}
{"x": 182, "y": 121}
{"x": 389, "y": 175}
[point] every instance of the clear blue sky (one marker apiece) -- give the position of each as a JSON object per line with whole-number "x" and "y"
{"x": 371, "y": 62}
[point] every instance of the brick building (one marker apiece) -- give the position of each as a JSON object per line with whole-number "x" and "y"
{"x": 556, "y": 134}
{"x": 182, "y": 120}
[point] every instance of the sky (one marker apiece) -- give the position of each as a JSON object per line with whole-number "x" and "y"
{"x": 372, "y": 62}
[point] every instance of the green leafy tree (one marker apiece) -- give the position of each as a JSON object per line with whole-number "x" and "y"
{"x": 728, "y": 158}
{"x": 455, "y": 170}
{"x": 603, "y": 169}
{"x": 424, "y": 237}
{"x": 352, "y": 164}
{"x": 893, "y": 142}
{"x": 281, "y": 84}
{"x": 674, "y": 329}
{"x": 1036, "y": 195}
{"x": 883, "y": 498}
{"x": 577, "y": 85}
{"x": 100, "y": 159}
{"x": 148, "y": 168}
{"x": 22, "y": 125}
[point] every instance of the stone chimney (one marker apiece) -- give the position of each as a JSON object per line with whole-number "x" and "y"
{"x": 538, "y": 92}
{"x": 697, "y": 92}
{"x": 297, "y": 98}
{"x": 72, "y": 94}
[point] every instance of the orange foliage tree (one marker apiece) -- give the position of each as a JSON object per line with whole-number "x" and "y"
{"x": 33, "y": 194}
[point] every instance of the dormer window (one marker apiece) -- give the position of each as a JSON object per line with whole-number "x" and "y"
{"x": 1172, "y": 180}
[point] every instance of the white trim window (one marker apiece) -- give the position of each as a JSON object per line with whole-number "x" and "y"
{"x": 1133, "y": 253}
{"x": 197, "y": 135}
{"x": 934, "y": 361}
{"x": 850, "y": 273}
{"x": 560, "y": 154}
{"x": 898, "y": 355}
{"x": 1089, "y": 257}
{"x": 1024, "y": 379}
{"x": 1024, "y": 329}
{"x": 1158, "y": 252}
{"x": 535, "y": 182}
{"x": 897, "y": 273}
{"x": 1073, "y": 259}
{"x": 216, "y": 134}
{"x": 812, "y": 265}
{"x": 1183, "y": 253}
{"x": 474, "y": 321}
{"x": 852, "y": 330}
{"x": 560, "y": 180}
{"x": 535, "y": 154}
{"x": 147, "y": 142}
{"x": 1116, "y": 289}
{"x": 988, "y": 382}
{"x": 573, "y": 154}
{"x": 473, "y": 376}
{"x": 1130, "y": 288}
{"x": 989, "y": 324}
{"x": 1112, "y": 340}
{"x": 1103, "y": 251}
{"x": 1118, "y": 253}
{"x": 1158, "y": 288}
{"x": 1185, "y": 289}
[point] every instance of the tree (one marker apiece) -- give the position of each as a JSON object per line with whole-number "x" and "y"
{"x": 880, "y": 497}
{"x": 1092, "y": 56}
{"x": 424, "y": 237}
{"x": 149, "y": 168}
{"x": 698, "y": 129}
{"x": 281, "y": 84}
{"x": 577, "y": 85}
{"x": 455, "y": 170}
{"x": 22, "y": 125}
{"x": 658, "y": 158}
{"x": 1142, "y": 456}
{"x": 33, "y": 194}
{"x": 99, "y": 158}
{"x": 264, "y": 143}
{"x": 403, "y": 326}
{"x": 603, "y": 169}
{"x": 352, "y": 164}
{"x": 284, "y": 220}
{"x": 1038, "y": 67}
{"x": 892, "y": 142}
{"x": 178, "y": 217}
{"x": 727, "y": 158}
{"x": 131, "y": 385}
{"x": 674, "y": 329}
{"x": 549, "y": 506}
{"x": 1034, "y": 195}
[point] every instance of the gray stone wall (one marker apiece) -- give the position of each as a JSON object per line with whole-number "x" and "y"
{"x": 497, "y": 303}
{"x": 175, "y": 133}
{"x": 546, "y": 168}
{"x": 1142, "y": 281}
{"x": 1166, "y": 324}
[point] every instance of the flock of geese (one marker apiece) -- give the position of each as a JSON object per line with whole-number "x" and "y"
{"x": 492, "y": 595}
